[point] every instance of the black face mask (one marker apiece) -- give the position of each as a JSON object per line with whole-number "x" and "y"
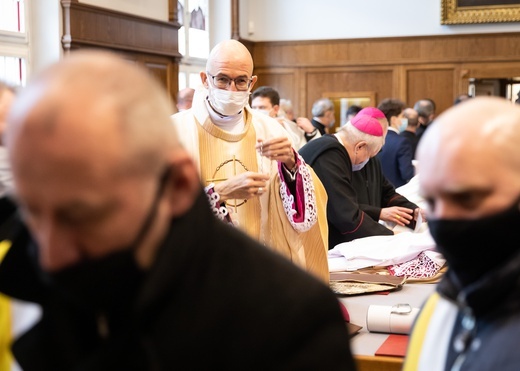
{"x": 109, "y": 283}
{"x": 473, "y": 247}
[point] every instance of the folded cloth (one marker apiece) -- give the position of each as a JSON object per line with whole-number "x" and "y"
{"x": 426, "y": 265}
{"x": 379, "y": 251}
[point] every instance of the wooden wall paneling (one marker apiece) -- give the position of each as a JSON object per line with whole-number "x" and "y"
{"x": 94, "y": 26}
{"x": 163, "y": 70}
{"x": 235, "y": 19}
{"x": 435, "y": 66}
{"x": 389, "y": 51}
{"x": 299, "y": 102}
{"x": 151, "y": 42}
{"x": 282, "y": 80}
{"x": 400, "y": 89}
{"x": 172, "y": 11}
{"x": 431, "y": 81}
{"x": 377, "y": 79}
{"x": 496, "y": 70}
{"x": 461, "y": 80}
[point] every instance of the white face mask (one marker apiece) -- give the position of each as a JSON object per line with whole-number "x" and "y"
{"x": 264, "y": 111}
{"x": 404, "y": 125}
{"x": 357, "y": 167}
{"x": 227, "y": 102}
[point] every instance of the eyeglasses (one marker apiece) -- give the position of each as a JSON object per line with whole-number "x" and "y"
{"x": 224, "y": 82}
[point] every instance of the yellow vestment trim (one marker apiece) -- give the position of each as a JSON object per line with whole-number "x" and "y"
{"x": 413, "y": 353}
{"x": 4, "y": 248}
{"x": 6, "y": 358}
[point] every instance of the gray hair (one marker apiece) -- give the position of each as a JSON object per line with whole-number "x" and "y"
{"x": 353, "y": 135}
{"x": 321, "y": 106}
{"x": 286, "y": 105}
{"x": 424, "y": 107}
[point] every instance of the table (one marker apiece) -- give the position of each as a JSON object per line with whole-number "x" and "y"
{"x": 365, "y": 344}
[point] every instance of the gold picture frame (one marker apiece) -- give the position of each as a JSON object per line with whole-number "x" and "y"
{"x": 343, "y": 100}
{"x": 479, "y": 11}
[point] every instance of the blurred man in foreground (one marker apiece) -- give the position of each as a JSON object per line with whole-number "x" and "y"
{"x": 129, "y": 264}
{"x": 470, "y": 176}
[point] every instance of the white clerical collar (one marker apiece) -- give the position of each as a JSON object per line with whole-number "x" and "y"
{"x": 231, "y": 124}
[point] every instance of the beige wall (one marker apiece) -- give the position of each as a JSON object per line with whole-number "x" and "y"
{"x": 155, "y": 9}
{"x": 292, "y": 20}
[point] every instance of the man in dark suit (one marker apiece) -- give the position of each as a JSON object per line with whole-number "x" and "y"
{"x": 426, "y": 110}
{"x": 410, "y": 132}
{"x": 397, "y": 154}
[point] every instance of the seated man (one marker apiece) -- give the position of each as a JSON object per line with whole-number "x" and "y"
{"x": 337, "y": 158}
{"x": 122, "y": 251}
{"x": 470, "y": 177}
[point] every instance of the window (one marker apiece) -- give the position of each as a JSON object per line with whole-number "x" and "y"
{"x": 513, "y": 90}
{"x": 193, "y": 40}
{"x": 14, "y": 46}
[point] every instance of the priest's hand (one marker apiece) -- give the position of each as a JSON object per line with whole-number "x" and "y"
{"x": 242, "y": 186}
{"x": 278, "y": 149}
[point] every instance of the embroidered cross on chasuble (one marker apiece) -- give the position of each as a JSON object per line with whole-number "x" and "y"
{"x": 223, "y": 155}
{"x": 269, "y": 218}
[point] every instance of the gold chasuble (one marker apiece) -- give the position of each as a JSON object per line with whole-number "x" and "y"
{"x": 312, "y": 245}
{"x": 271, "y": 218}
{"x": 223, "y": 155}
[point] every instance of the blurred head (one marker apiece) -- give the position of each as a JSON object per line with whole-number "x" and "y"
{"x": 7, "y": 94}
{"x": 426, "y": 110}
{"x": 286, "y": 109}
{"x": 266, "y": 100}
{"x": 470, "y": 177}
{"x": 471, "y": 164}
{"x": 229, "y": 77}
{"x": 353, "y": 111}
{"x": 413, "y": 118}
{"x": 460, "y": 98}
{"x": 96, "y": 162}
{"x": 323, "y": 111}
{"x": 393, "y": 110}
{"x": 185, "y": 98}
